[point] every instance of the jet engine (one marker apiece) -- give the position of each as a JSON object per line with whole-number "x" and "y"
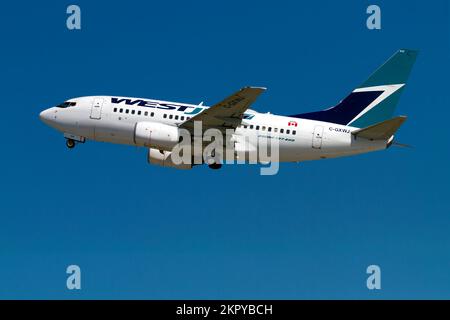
{"x": 164, "y": 159}
{"x": 156, "y": 135}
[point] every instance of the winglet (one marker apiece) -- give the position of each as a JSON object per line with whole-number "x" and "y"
{"x": 382, "y": 130}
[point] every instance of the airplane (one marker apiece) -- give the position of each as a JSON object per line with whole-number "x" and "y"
{"x": 362, "y": 122}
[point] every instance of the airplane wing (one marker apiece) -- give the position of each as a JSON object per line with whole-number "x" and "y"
{"x": 228, "y": 113}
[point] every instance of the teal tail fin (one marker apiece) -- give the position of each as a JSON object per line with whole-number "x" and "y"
{"x": 375, "y": 100}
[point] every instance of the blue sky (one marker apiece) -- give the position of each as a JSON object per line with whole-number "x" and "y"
{"x": 144, "y": 232}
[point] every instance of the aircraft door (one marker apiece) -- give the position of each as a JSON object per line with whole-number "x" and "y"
{"x": 317, "y": 137}
{"x": 96, "y": 111}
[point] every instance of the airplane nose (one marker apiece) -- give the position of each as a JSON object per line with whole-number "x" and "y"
{"x": 45, "y": 116}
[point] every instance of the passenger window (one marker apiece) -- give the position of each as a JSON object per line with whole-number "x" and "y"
{"x": 182, "y": 118}
{"x": 281, "y": 130}
{"x": 275, "y": 130}
{"x": 245, "y": 127}
{"x": 257, "y": 127}
{"x": 263, "y": 128}
{"x": 165, "y": 115}
{"x": 115, "y": 109}
{"x": 288, "y": 131}
{"x": 270, "y": 129}
{"x": 127, "y": 111}
{"x": 170, "y": 116}
{"x": 152, "y": 114}
{"x": 139, "y": 112}
{"x": 146, "y": 113}
{"x": 176, "y": 117}
{"x": 188, "y": 118}
{"x": 132, "y": 111}
{"x": 121, "y": 110}
{"x": 294, "y": 132}
{"x": 251, "y": 127}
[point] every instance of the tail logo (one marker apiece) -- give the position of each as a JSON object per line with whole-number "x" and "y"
{"x": 387, "y": 91}
{"x": 376, "y": 99}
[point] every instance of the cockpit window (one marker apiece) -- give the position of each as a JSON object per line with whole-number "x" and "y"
{"x": 66, "y": 104}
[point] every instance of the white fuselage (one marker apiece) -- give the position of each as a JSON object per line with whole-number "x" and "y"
{"x": 114, "y": 120}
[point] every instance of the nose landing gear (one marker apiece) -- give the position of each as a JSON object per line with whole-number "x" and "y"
{"x": 72, "y": 140}
{"x": 70, "y": 143}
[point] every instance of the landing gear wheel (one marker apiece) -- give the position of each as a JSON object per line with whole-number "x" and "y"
{"x": 215, "y": 166}
{"x": 70, "y": 143}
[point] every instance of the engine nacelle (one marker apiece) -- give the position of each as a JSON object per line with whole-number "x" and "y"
{"x": 164, "y": 159}
{"x": 156, "y": 135}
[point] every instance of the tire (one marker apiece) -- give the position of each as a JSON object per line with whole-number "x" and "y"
{"x": 215, "y": 166}
{"x": 70, "y": 143}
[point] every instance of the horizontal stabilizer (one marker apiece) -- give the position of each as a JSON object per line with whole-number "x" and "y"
{"x": 381, "y": 131}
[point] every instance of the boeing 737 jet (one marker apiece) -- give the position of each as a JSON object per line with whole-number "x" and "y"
{"x": 362, "y": 122}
